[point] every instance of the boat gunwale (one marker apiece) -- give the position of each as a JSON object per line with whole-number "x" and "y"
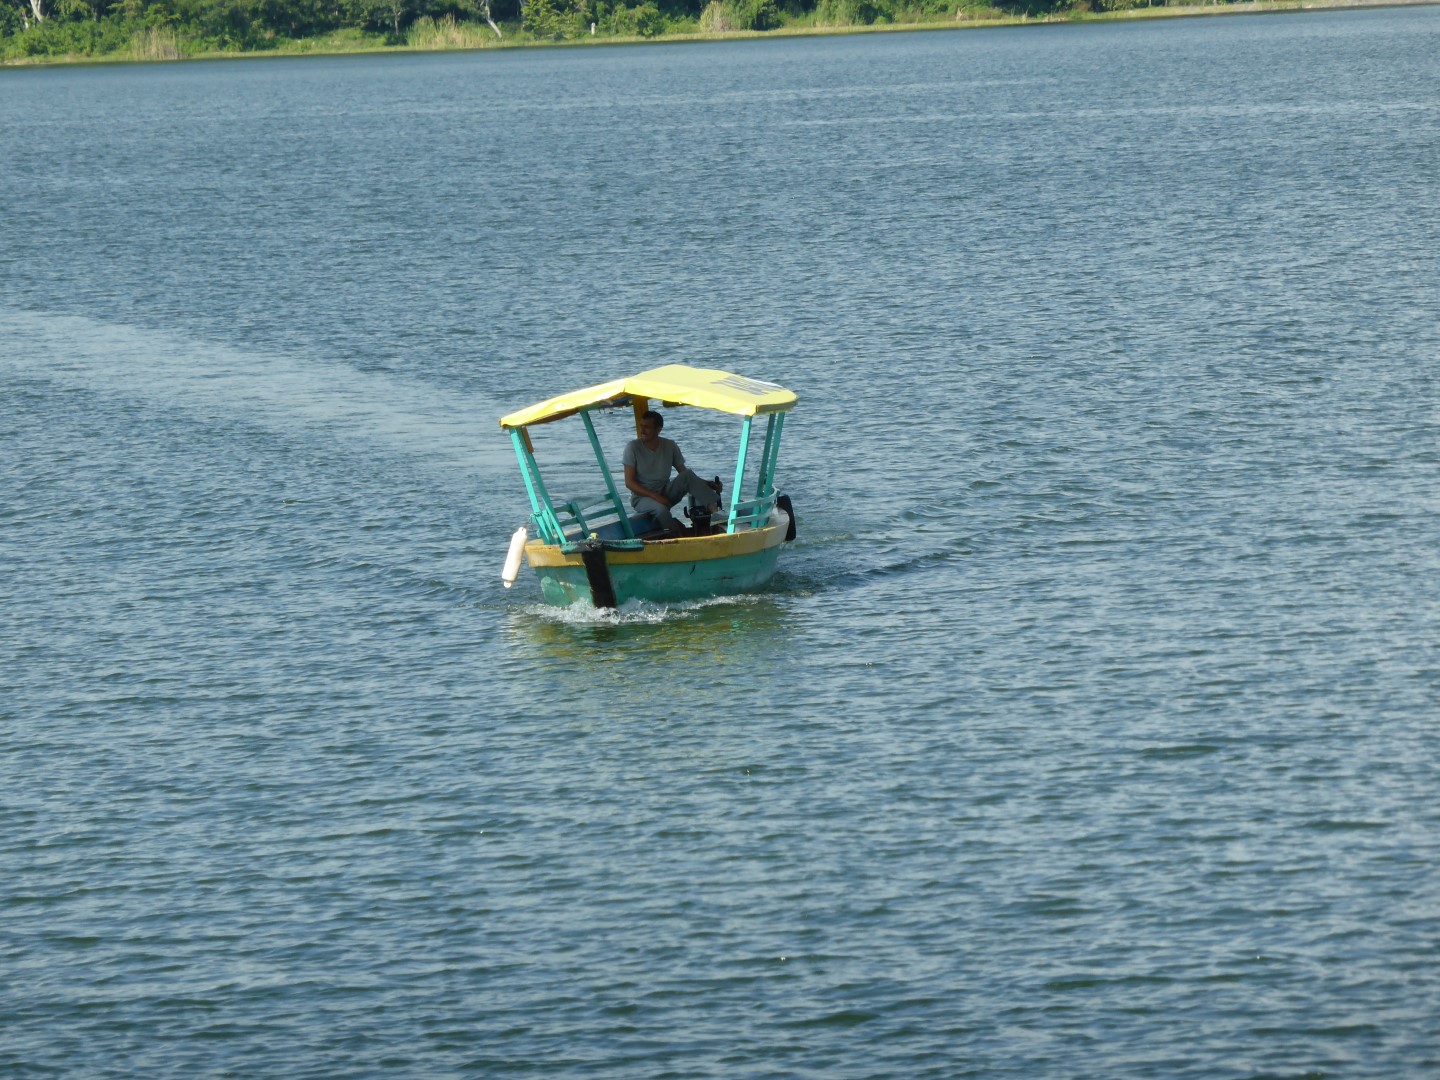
{"x": 683, "y": 549}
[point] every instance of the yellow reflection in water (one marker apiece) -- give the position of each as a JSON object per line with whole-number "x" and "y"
{"x": 645, "y": 656}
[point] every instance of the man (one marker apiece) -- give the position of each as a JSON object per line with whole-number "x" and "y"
{"x": 648, "y": 461}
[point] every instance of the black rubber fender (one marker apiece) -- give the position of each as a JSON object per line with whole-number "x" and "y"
{"x": 784, "y": 503}
{"x": 597, "y": 573}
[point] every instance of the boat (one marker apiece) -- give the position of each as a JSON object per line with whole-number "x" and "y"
{"x": 596, "y": 549}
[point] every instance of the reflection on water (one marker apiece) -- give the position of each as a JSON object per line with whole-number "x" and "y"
{"x": 704, "y": 627}
{"x": 649, "y": 659}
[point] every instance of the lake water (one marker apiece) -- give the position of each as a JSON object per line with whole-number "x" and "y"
{"x": 1088, "y": 730}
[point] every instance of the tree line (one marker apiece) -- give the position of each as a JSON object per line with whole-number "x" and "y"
{"x": 171, "y": 29}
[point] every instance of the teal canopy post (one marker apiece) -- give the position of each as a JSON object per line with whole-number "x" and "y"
{"x": 535, "y": 488}
{"x": 739, "y": 476}
{"x": 605, "y": 472}
{"x": 765, "y": 485}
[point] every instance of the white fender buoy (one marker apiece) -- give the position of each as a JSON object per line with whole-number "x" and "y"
{"x": 512, "y": 558}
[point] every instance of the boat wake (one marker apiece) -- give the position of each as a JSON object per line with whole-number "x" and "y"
{"x": 816, "y": 566}
{"x": 639, "y": 612}
{"x": 206, "y": 380}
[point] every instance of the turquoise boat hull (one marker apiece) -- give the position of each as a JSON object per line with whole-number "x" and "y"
{"x": 669, "y": 583}
{"x": 666, "y": 571}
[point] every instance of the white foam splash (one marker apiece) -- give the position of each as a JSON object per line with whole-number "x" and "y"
{"x": 632, "y": 612}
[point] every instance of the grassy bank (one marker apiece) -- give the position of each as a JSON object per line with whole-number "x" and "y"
{"x": 99, "y": 42}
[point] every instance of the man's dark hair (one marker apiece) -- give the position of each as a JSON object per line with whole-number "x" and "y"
{"x": 651, "y": 414}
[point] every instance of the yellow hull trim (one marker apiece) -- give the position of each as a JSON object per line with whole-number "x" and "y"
{"x": 685, "y": 549}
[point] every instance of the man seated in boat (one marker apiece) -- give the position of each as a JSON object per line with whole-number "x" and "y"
{"x": 648, "y": 461}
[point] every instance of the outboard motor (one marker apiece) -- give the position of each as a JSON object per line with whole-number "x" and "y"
{"x": 699, "y": 519}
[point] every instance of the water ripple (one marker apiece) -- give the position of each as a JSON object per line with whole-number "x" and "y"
{"x": 1089, "y": 719}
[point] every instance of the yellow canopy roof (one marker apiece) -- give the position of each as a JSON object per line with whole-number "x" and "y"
{"x": 675, "y": 384}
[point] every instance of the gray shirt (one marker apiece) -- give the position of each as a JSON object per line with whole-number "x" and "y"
{"x": 652, "y": 468}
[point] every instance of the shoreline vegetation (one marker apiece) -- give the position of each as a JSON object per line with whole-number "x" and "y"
{"x": 42, "y": 32}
